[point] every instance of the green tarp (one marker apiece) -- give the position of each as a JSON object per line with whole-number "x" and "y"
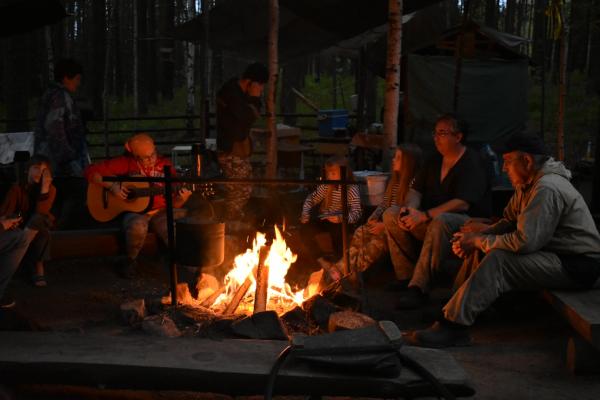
{"x": 492, "y": 96}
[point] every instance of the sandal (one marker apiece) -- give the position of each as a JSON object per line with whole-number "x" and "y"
{"x": 39, "y": 281}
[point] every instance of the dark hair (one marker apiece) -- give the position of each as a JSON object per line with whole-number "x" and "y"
{"x": 66, "y": 67}
{"x": 456, "y": 124}
{"x": 256, "y": 72}
{"x": 38, "y": 159}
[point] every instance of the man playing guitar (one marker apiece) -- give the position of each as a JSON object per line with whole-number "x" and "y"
{"x": 140, "y": 159}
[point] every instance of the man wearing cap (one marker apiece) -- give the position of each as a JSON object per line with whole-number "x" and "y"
{"x": 140, "y": 159}
{"x": 238, "y": 107}
{"x": 546, "y": 239}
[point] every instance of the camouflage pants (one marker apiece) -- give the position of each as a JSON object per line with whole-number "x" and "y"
{"x": 135, "y": 226}
{"x": 365, "y": 249}
{"x": 236, "y": 195}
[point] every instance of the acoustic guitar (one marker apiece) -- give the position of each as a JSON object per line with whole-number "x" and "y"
{"x": 104, "y": 206}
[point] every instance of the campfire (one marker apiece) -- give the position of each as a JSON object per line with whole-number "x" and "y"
{"x": 256, "y": 281}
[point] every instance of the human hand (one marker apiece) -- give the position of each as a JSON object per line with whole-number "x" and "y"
{"x": 304, "y": 219}
{"x": 119, "y": 190}
{"x": 409, "y": 218}
{"x": 375, "y": 227}
{"x": 464, "y": 244}
{"x": 184, "y": 194}
{"x": 9, "y": 223}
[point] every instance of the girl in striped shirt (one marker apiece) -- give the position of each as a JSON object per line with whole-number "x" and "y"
{"x": 329, "y": 199}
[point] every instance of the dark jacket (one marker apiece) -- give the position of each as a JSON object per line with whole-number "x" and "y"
{"x": 236, "y": 113}
{"x": 60, "y": 133}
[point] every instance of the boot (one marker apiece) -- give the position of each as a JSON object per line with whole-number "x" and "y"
{"x": 411, "y": 299}
{"x": 442, "y": 333}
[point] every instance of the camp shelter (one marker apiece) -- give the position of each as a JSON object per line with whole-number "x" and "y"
{"x": 492, "y": 84}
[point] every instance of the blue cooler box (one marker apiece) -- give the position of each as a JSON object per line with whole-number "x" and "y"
{"x": 332, "y": 120}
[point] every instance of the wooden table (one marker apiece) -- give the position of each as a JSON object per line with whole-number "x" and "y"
{"x": 237, "y": 367}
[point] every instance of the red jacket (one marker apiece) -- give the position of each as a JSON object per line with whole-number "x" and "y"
{"x": 126, "y": 165}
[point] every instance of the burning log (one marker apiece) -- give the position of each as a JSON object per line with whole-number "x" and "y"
{"x": 262, "y": 282}
{"x": 238, "y": 296}
{"x": 210, "y": 300}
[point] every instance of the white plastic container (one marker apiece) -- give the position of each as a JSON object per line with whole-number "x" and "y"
{"x": 373, "y": 189}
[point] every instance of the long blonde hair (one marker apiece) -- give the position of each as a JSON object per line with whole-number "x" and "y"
{"x": 411, "y": 161}
{"x": 335, "y": 162}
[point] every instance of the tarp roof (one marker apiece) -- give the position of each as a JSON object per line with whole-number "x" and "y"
{"x": 305, "y": 27}
{"x": 22, "y": 16}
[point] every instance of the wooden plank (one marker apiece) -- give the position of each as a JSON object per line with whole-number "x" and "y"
{"x": 94, "y": 243}
{"x": 238, "y": 367}
{"x": 581, "y": 309}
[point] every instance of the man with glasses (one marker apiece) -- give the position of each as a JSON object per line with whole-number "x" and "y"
{"x": 140, "y": 159}
{"x": 450, "y": 187}
{"x": 547, "y": 239}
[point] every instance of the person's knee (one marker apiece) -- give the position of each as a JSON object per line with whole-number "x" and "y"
{"x": 138, "y": 227}
{"x": 390, "y": 216}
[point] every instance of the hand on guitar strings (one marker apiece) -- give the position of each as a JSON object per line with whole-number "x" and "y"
{"x": 119, "y": 190}
{"x": 184, "y": 194}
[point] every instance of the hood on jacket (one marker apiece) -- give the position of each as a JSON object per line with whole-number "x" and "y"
{"x": 552, "y": 166}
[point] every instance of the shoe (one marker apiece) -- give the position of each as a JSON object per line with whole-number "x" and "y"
{"x": 397, "y": 286}
{"x": 128, "y": 269}
{"x": 7, "y": 302}
{"x": 411, "y": 299}
{"x": 442, "y": 333}
{"x": 39, "y": 281}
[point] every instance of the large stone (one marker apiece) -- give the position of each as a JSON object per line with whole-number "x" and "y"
{"x": 264, "y": 325}
{"x": 160, "y": 325}
{"x": 133, "y": 312}
{"x": 345, "y": 320}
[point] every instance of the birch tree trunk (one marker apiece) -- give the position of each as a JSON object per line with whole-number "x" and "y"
{"x": 392, "y": 78}
{"x": 271, "y": 170}
{"x": 189, "y": 73}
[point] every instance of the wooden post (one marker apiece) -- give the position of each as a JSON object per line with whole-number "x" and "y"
{"x": 170, "y": 234}
{"x": 262, "y": 282}
{"x": 344, "y": 189}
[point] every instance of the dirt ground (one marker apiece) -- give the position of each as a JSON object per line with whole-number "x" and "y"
{"x": 518, "y": 349}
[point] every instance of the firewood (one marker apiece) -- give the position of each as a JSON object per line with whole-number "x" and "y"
{"x": 213, "y": 297}
{"x": 262, "y": 282}
{"x": 238, "y": 296}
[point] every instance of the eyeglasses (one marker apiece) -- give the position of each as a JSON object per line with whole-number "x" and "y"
{"x": 146, "y": 158}
{"x": 441, "y": 133}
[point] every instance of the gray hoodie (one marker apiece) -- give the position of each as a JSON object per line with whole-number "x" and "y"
{"x": 547, "y": 214}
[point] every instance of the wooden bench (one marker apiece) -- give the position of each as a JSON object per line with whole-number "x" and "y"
{"x": 102, "y": 242}
{"x": 582, "y": 310}
{"x": 230, "y": 366}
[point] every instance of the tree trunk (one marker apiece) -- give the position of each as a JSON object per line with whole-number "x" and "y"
{"x": 562, "y": 86}
{"x": 167, "y": 69}
{"x": 152, "y": 54}
{"x": 491, "y": 13}
{"x": 142, "y": 56}
{"x": 271, "y": 170}
{"x": 49, "y": 52}
{"x": 204, "y": 69}
{"x": 392, "y": 78}
{"x": 135, "y": 55}
{"x": 105, "y": 102}
{"x": 95, "y": 76}
{"x": 509, "y": 16}
{"x": 189, "y": 73}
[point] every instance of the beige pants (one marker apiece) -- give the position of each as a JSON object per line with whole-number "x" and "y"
{"x": 500, "y": 271}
